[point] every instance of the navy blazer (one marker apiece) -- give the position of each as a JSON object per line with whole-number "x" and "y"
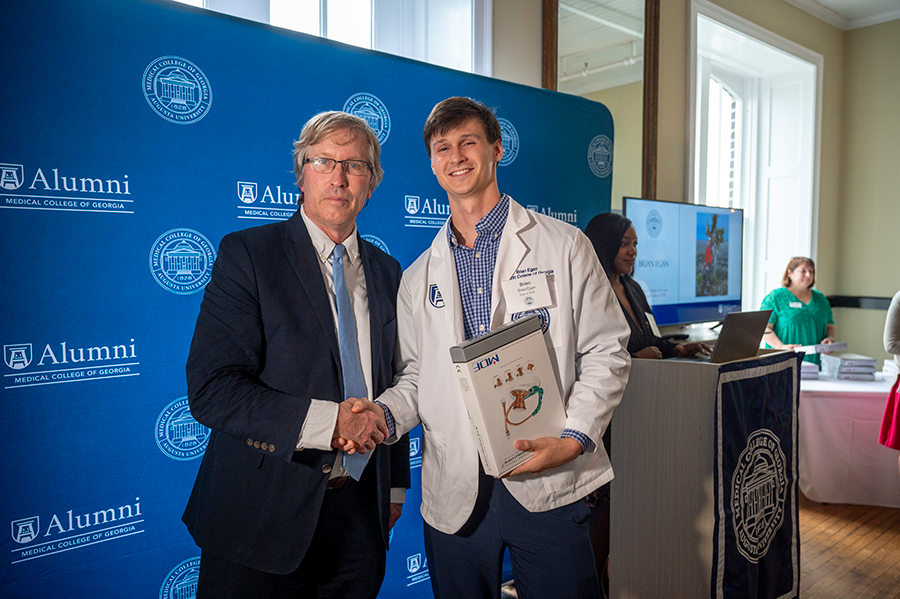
{"x": 641, "y": 334}
{"x": 263, "y": 347}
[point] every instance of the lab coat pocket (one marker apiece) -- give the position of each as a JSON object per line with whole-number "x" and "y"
{"x": 558, "y": 479}
{"x": 434, "y": 456}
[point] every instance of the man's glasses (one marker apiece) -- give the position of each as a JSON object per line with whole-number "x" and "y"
{"x": 325, "y": 166}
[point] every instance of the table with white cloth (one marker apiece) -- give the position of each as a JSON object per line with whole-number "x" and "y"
{"x": 841, "y": 460}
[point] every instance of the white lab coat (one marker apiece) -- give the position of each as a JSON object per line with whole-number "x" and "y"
{"x": 588, "y": 335}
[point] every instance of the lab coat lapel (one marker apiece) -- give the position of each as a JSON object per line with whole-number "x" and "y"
{"x": 513, "y": 250}
{"x": 442, "y": 272}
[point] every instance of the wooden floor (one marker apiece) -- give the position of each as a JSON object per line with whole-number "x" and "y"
{"x": 849, "y": 551}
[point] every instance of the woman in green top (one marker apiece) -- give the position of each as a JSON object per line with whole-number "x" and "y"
{"x": 800, "y": 314}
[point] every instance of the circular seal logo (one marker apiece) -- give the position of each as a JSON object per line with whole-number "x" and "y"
{"x": 373, "y": 111}
{"x": 542, "y": 312}
{"x": 178, "y": 435}
{"x": 654, "y": 223}
{"x": 600, "y": 156}
{"x": 182, "y": 580}
{"x": 181, "y": 261}
{"x": 377, "y": 243}
{"x": 510, "y": 140}
{"x": 758, "y": 491}
{"x": 177, "y": 90}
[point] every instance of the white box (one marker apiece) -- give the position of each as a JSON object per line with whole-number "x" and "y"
{"x": 510, "y": 391}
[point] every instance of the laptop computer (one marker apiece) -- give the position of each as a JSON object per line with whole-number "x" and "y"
{"x": 739, "y": 338}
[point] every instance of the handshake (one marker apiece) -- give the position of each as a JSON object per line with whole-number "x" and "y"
{"x": 360, "y": 426}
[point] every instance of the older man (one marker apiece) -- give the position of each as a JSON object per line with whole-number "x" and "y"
{"x": 299, "y": 317}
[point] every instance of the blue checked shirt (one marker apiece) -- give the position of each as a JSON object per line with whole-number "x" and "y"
{"x": 475, "y": 275}
{"x": 475, "y": 269}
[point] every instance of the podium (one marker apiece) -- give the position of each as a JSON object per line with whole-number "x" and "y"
{"x": 704, "y": 501}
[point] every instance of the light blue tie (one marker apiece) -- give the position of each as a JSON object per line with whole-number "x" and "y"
{"x": 354, "y": 383}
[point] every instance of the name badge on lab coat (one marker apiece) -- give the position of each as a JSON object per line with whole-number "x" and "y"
{"x": 796, "y": 305}
{"x": 527, "y": 293}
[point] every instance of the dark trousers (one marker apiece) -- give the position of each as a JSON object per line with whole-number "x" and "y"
{"x": 550, "y": 551}
{"x": 346, "y": 557}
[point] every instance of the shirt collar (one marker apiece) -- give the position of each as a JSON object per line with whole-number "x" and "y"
{"x": 323, "y": 244}
{"x": 491, "y": 224}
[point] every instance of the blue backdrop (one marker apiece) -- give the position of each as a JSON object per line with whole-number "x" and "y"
{"x": 135, "y": 135}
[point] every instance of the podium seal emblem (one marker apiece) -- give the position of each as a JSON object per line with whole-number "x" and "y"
{"x": 758, "y": 491}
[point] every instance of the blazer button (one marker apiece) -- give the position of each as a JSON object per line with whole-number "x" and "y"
{"x": 264, "y": 446}
{"x": 256, "y": 444}
{"x": 250, "y": 442}
{"x": 326, "y": 468}
{"x": 271, "y": 448}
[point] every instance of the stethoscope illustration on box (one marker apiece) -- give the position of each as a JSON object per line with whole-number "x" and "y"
{"x": 520, "y": 395}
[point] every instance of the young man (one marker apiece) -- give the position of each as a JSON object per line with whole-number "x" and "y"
{"x": 454, "y": 292}
{"x": 299, "y": 316}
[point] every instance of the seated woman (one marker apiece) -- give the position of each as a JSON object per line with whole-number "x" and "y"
{"x": 615, "y": 242}
{"x": 801, "y": 315}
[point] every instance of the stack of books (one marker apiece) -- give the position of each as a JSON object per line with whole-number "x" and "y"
{"x": 809, "y": 370}
{"x": 849, "y": 366}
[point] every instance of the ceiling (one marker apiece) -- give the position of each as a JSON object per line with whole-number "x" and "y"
{"x": 601, "y": 42}
{"x": 851, "y": 14}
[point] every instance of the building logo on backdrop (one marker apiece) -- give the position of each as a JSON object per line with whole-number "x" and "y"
{"x": 377, "y": 242}
{"x": 246, "y": 191}
{"x": 428, "y": 213}
{"x": 417, "y": 566}
{"x": 178, "y": 435}
{"x": 415, "y": 452}
{"x": 271, "y": 204}
{"x": 654, "y": 223}
{"x": 181, "y": 261}
{"x": 600, "y": 156}
{"x": 566, "y": 217}
{"x": 373, "y": 111}
{"x": 69, "y": 530}
{"x": 181, "y": 582}
{"x": 11, "y": 176}
{"x": 758, "y": 491}
{"x": 50, "y": 189}
{"x": 17, "y": 356}
{"x": 177, "y": 90}
{"x": 63, "y": 363}
{"x": 25, "y": 530}
{"x": 510, "y": 139}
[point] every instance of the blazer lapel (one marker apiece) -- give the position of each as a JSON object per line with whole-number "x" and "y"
{"x": 302, "y": 256}
{"x": 377, "y": 304}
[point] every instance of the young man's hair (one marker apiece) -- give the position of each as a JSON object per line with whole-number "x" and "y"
{"x": 456, "y": 111}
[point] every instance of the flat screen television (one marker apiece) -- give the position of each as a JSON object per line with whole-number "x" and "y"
{"x": 689, "y": 259}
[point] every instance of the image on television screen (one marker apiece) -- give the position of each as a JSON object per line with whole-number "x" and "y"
{"x": 689, "y": 260}
{"x": 712, "y": 254}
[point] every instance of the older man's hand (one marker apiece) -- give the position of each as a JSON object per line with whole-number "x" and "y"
{"x": 358, "y": 430}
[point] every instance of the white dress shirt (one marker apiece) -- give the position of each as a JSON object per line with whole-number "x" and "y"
{"x": 321, "y": 418}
